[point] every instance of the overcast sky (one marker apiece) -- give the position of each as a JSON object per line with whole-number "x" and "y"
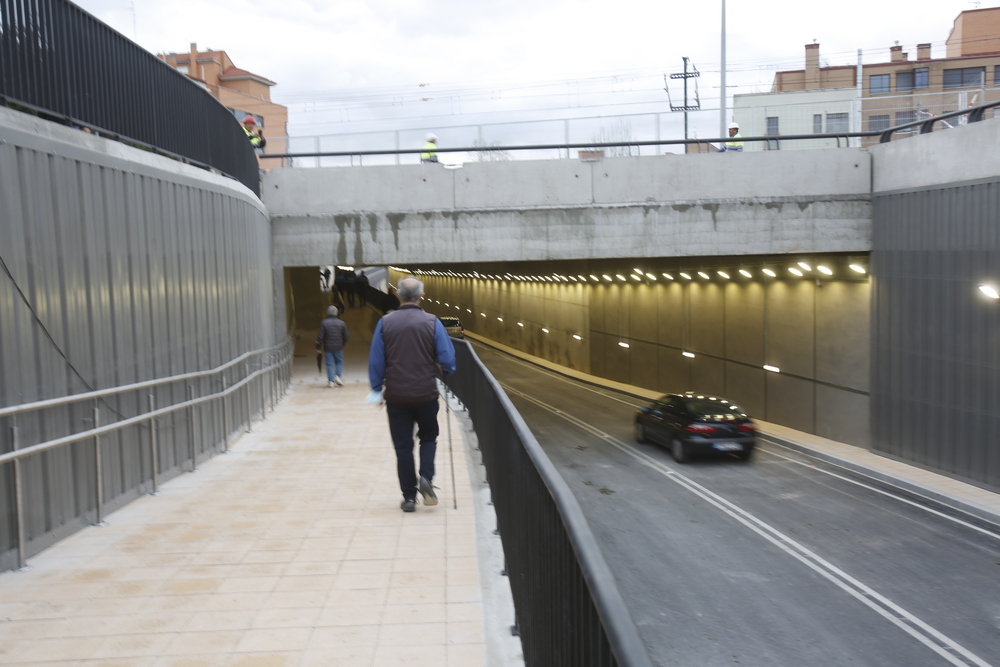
{"x": 333, "y": 60}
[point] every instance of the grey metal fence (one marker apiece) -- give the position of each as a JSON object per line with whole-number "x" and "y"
{"x": 126, "y": 441}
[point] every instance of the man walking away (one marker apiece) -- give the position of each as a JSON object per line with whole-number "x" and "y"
{"x": 332, "y": 338}
{"x": 409, "y": 349}
{"x": 363, "y": 289}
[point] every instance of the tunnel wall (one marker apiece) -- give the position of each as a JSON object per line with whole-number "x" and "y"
{"x": 935, "y": 336}
{"x": 816, "y": 332}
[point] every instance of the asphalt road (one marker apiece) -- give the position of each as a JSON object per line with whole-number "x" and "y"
{"x": 779, "y": 561}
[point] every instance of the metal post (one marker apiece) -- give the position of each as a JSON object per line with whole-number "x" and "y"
{"x": 566, "y": 136}
{"x": 98, "y": 473}
{"x": 18, "y": 500}
{"x": 194, "y": 451}
{"x": 246, "y": 375}
{"x": 263, "y": 399}
{"x": 225, "y": 416}
{"x": 154, "y": 452}
{"x": 722, "y": 94}
{"x": 397, "y": 146}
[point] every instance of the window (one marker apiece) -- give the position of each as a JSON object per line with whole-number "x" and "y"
{"x": 772, "y": 130}
{"x": 921, "y": 78}
{"x": 967, "y": 77}
{"x": 879, "y": 83}
{"x": 878, "y": 123}
{"x": 817, "y": 123}
{"x": 837, "y": 122}
{"x": 904, "y": 82}
{"x": 996, "y": 75}
{"x": 903, "y": 117}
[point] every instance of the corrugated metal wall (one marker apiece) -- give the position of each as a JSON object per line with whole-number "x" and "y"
{"x": 935, "y": 337}
{"x": 115, "y": 271}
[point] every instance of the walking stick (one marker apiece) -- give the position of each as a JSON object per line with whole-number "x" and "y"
{"x": 451, "y": 455}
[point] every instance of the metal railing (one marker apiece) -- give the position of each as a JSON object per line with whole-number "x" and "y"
{"x": 567, "y": 605}
{"x": 61, "y": 63}
{"x": 923, "y": 126}
{"x": 263, "y": 375}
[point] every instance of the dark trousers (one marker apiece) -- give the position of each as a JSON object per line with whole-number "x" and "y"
{"x": 402, "y": 419}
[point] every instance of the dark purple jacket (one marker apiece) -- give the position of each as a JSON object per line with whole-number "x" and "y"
{"x": 410, "y": 356}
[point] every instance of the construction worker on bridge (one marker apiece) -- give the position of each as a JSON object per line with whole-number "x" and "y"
{"x": 429, "y": 154}
{"x": 734, "y": 143}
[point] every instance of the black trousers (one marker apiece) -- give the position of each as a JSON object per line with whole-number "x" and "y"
{"x": 402, "y": 420}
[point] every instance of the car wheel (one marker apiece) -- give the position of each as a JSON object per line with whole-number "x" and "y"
{"x": 677, "y": 449}
{"x": 640, "y": 432}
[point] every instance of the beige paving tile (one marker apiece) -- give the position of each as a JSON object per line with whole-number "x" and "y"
{"x": 274, "y": 639}
{"x": 413, "y": 634}
{"x": 392, "y": 656}
{"x": 351, "y": 656}
{"x": 337, "y": 636}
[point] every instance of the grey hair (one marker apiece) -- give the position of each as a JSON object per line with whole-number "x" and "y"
{"x": 410, "y": 289}
{"x": 332, "y": 310}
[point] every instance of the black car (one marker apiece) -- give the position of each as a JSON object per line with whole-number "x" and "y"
{"x": 453, "y": 326}
{"x": 693, "y": 423}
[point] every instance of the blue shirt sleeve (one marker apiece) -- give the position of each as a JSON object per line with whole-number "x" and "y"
{"x": 445, "y": 349}
{"x": 376, "y": 359}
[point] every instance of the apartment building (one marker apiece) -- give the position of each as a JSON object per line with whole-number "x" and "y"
{"x": 891, "y": 93}
{"x": 243, "y": 92}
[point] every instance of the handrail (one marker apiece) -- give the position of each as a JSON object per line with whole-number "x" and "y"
{"x": 138, "y": 419}
{"x": 622, "y": 637}
{"x": 975, "y": 114}
{"x": 111, "y": 391}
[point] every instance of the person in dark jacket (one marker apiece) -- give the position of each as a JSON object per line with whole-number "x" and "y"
{"x": 331, "y": 339}
{"x": 409, "y": 349}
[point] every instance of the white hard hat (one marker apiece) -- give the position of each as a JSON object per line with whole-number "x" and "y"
{"x": 734, "y": 126}
{"x": 431, "y": 137}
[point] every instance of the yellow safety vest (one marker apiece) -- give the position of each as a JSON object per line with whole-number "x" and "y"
{"x": 254, "y": 139}
{"x": 733, "y": 144}
{"x": 430, "y": 151}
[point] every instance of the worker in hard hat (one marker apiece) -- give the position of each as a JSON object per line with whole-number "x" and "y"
{"x": 429, "y": 154}
{"x": 734, "y": 143}
{"x": 254, "y": 134}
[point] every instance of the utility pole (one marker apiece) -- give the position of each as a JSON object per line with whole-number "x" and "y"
{"x": 685, "y": 75}
{"x": 722, "y": 94}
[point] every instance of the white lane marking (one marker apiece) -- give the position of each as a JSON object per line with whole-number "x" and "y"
{"x": 909, "y": 623}
{"x": 581, "y": 385}
{"x": 845, "y": 478}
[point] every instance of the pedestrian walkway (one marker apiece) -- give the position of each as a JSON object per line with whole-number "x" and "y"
{"x": 290, "y": 550}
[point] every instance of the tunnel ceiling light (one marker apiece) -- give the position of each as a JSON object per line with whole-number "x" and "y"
{"x": 483, "y": 314}
{"x": 858, "y": 268}
{"x": 773, "y": 369}
{"x": 639, "y": 271}
{"x": 746, "y": 273}
{"x": 623, "y": 344}
{"x": 520, "y": 324}
{"x": 689, "y": 355}
{"x": 651, "y": 276}
{"x": 635, "y": 277}
{"x": 684, "y": 275}
{"x": 704, "y": 275}
{"x": 583, "y": 278}
{"x": 544, "y": 330}
{"x": 620, "y": 277}
{"x": 824, "y": 269}
{"x": 794, "y": 271}
{"x": 769, "y": 272}
{"x": 593, "y": 277}
{"x": 577, "y": 336}
{"x": 607, "y": 277}
{"x": 668, "y": 276}
{"x": 468, "y": 310}
{"x": 805, "y": 266}
{"x": 499, "y": 319}
{"x": 989, "y": 291}
{"x": 457, "y": 308}
{"x": 723, "y": 274}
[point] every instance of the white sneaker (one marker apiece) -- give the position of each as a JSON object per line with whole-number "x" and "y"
{"x": 329, "y": 384}
{"x": 338, "y": 381}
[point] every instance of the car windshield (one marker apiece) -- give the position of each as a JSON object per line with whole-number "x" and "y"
{"x": 718, "y": 409}
{"x": 451, "y": 322}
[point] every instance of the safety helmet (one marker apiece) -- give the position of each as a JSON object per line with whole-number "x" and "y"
{"x": 431, "y": 137}
{"x": 250, "y": 119}
{"x": 734, "y": 126}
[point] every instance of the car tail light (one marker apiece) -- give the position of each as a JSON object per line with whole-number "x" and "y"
{"x": 747, "y": 427}
{"x": 701, "y": 429}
